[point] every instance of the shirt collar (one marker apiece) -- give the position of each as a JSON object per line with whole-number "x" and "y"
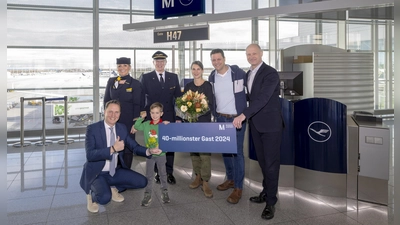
{"x": 108, "y": 126}
{"x": 160, "y": 121}
{"x": 256, "y": 69}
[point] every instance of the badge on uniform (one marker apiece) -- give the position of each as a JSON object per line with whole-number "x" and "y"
{"x": 129, "y": 90}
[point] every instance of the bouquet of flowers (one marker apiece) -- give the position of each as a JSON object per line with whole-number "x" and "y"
{"x": 152, "y": 140}
{"x": 191, "y": 105}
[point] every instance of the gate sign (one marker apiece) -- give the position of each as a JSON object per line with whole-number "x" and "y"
{"x": 170, "y": 8}
{"x": 197, "y": 137}
{"x": 182, "y": 34}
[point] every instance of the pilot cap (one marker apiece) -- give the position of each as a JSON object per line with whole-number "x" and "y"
{"x": 124, "y": 60}
{"x": 159, "y": 55}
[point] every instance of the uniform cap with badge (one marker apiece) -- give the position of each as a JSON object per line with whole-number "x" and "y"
{"x": 159, "y": 55}
{"x": 124, "y": 60}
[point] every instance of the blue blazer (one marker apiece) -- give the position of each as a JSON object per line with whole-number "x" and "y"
{"x": 264, "y": 109}
{"x": 97, "y": 151}
{"x": 154, "y": 92}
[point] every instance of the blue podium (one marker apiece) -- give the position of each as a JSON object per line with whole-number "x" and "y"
{"x": 314, "y": 143}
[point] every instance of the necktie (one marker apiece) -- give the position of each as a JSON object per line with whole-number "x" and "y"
{"x": 161, "y": 79}
{"x": 250, "y": 79}
{"x": 112, "y": 162}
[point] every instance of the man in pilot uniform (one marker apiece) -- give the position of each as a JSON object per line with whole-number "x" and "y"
{"x": 163, "y": 87}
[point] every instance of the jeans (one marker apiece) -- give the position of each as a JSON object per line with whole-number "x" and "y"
{"x": 234, "y": 163}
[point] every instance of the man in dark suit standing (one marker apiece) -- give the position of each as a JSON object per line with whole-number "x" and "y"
{"x": 163, "y": 87}
{"x": 105, "y": 174}
{"x": 266, "y": 124}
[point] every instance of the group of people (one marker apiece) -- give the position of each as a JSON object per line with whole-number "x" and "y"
{"x": 234, "y": 96}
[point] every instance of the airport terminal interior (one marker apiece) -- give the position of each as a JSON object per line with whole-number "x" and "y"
{"x": 60, "y": 55}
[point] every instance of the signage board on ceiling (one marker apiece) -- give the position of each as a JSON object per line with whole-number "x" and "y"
{"x": 194, "y": 33}
{"x": 170, "y": 8}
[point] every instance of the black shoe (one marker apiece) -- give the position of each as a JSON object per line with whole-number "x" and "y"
{"x": 258, "y": 199}
{"x": 157, "y": 178}
{"x": 268, "y": 212}
{"x": 171, "y": 178}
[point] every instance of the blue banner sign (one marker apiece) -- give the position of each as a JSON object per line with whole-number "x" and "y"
{"x": 197, "y": 137}
{"x": 170, "y": 8}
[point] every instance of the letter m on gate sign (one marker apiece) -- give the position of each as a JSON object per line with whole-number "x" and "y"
{"x": 167, "y": 3}
{"x": 171, "y": 8}
{"x": 221, "y": 127}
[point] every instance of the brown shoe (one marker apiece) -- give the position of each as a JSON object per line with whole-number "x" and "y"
{"x": 226, "y": 185}
{"x": 235, "y": 196}
{"x": 207, "y": 190}
{"x": 196, "y": 183}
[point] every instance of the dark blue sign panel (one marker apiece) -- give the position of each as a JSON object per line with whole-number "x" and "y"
{"x": 169, "y": 8}
{"x": 287, "y": 144}
{"x": 198, "y": 137}
{"x": 193, "y": 33}
{"x": 320, "y": 135}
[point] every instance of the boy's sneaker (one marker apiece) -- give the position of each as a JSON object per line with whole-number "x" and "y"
{"x": 164, "y": 196}
{"x": 146, "y": 199}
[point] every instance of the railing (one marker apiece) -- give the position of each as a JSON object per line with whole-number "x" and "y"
{"x": 24, "y": 143}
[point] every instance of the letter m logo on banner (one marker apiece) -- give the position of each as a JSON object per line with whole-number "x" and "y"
{"x": 221, "y": 127}
{"x": 167, "y": 3}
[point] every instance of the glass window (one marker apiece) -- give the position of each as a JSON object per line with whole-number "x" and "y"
{"x": 382, "y": 95}
{"x": 53, "y": 3}
{"x": 329, "y": 36}
{"x": 125, "y": 4}
{"x": 381, "y": 37}
{"x": 297, "y": 33}
{"x": 112, "y": 34}
{"x": 359, "y": 37}
{"x": 263, "y": 34}
{"x": 50, "y": 73}
{"x": 381, "y": 66}
{"x": 33, "y": 60}
{"x": 222, "y": 6}
{"x": 42, "y": 28}
{"x": 222, "y": 36}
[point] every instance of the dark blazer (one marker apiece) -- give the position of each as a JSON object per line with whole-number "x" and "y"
{"x": 264, "y": 109}
{"x": 97, "y": 151}
{"x": 166, "y": 95}
{"x": 131, "y": 97}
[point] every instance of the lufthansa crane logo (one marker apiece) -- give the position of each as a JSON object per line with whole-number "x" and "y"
{"x": 186, "y": 2}
{"x": 319, "y": 131}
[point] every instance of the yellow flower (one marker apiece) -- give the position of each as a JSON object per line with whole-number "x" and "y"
{"x": 118, "y": 78}
{"x": 189, "y": 104}
{"x": 151, "y": 142}
{"x": 198, "y": 110}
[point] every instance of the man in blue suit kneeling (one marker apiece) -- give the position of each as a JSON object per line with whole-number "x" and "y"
{"x": 105, "y": 174}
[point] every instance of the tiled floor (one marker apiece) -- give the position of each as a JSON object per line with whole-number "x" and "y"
{"x": 43, "y": 188}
